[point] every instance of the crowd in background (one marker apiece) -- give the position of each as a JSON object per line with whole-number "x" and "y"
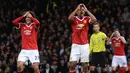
{"x": 54, "y": 39}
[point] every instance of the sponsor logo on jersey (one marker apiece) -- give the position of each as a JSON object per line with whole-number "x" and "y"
{"x": 27, "y": 32}
{"x": 80, "y": 26}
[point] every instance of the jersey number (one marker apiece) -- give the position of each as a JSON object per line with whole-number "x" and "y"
{"x": 36, "y": 57}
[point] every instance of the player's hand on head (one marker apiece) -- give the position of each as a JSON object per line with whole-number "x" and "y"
{"x": 79, "y": 6}
{"x": 85, "y": 8}
{"x": 29, "y": 14}
{"x": 113, "y": 33}
{"x": 25, "y": 14}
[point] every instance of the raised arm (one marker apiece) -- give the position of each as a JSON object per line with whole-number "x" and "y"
{"x": 34, "y": 19}
{"x": 109, "y": 39}
{"x": 71, "y": 16}
{"x": 16, "y": 21}
{"x": 123, "y": 39}
{"x": 92, "y": 17}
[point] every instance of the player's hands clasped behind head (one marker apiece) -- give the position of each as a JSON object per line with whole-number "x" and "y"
{"x": 85, "y": 8}
{"x": 27, "y": 14}
{"x": 79, "y": 6}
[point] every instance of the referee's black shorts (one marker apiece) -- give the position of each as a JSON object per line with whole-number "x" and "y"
{"x": 98, "y": 59}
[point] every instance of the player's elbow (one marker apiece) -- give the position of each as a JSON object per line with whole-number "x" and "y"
{"x": 38, "y": 22}
{"x": 70, "y": 18}
{"x": 14, "y": 22}
{"x": 108, "y": 43}
{"x": 94, "y": 20}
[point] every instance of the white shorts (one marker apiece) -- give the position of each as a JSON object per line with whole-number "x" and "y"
{"x": 79, "y": 52}
{"x": 32, "y": 55}
{"x": 119, "y": 60}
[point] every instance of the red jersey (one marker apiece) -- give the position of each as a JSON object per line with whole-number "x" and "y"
{"x": 80, "y": 30}
{"x": 118, "y": 46}
{"x": 29, "y": 33}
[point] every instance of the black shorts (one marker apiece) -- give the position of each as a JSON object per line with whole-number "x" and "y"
{"x": 98, "y": 59}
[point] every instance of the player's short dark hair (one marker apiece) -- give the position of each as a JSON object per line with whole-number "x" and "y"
{"x": 96, "y": 23}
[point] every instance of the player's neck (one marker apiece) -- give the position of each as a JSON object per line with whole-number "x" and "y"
{"x": 80, "y": 17}
{"x": 97, "y": 32}
{"x": 28, "y": 24}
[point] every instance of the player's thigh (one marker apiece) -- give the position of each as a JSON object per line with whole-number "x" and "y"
{"x": 75, "y": 53}
{"x": 123, "y": 61}
{"x": 115, "y": 61}
{"x": 85, "y": 53}
{"x": 22, "y": 57}
{"x": 34, "y": 56}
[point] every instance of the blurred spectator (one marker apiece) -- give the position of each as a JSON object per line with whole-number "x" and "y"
{"x": 48, "y": 69}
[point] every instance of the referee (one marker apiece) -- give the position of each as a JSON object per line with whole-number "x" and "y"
{"x": 97, "y": 50}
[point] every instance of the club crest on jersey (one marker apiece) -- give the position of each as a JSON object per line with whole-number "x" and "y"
{"x": 27, "y": 32}
{"x": 85, "y": 21}
{"x": 31, "y": 27}
{"x": 99, "y": 40}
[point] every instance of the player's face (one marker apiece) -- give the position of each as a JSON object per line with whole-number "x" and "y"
{"x": 117, "y": 34}
{"x": 28, "y": 20}
{"x": 96, "y": 28}
{"x": 81, "y": 12}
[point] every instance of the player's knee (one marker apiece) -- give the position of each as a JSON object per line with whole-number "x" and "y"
{"x": 114, "y": 69}
{"x": 92, "y": 68}
{"x": 85, "y": 65}
{"x": 20, "y": 66}
{"x": 35, "y": 67}
{"x": 104, "y": 70}
{"x": 72, "y": 65}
